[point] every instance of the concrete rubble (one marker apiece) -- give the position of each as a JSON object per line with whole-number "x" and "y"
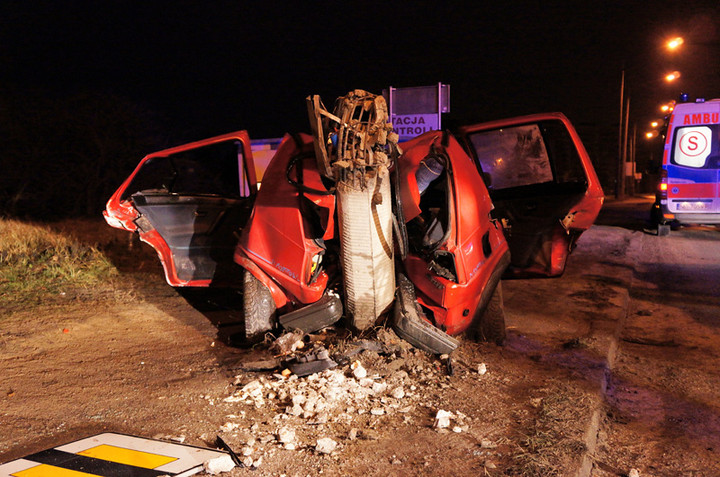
{"x": 325, "y": 445}
{"x": 307, "y": 412}
{"x": 218, "y": 465}
{"x": 442, "y": 419}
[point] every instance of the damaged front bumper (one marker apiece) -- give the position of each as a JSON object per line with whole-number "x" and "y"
{"x": 409, "y": 324}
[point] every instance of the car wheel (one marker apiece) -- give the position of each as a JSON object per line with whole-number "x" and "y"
{"x": 258, "y": 308}
{"x": 491, "y": 324}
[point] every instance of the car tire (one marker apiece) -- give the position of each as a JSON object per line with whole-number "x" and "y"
{"x": 491, "y": 324}
{"x": 258, "y": 308}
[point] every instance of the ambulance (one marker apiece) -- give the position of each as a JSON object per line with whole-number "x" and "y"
{"x": 689, "y": 189}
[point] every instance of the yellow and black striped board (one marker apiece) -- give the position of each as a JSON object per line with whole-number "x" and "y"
{"x": 112, "y": 455}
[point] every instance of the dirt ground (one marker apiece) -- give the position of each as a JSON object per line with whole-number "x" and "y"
{"x": 137, "y": 358}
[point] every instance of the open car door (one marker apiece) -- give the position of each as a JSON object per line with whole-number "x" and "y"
{"x": 542, "y": 184}
{"x": 188, "y": 203}
{"x": 456, "y": 253}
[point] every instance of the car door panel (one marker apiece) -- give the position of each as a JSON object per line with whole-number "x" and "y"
{"x": 452, "y": 267}
{"x": 543, "y": 186}
{"x": 189, "y": 203}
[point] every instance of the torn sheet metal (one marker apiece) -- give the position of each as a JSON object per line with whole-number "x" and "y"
{"x": 356, "y": 147}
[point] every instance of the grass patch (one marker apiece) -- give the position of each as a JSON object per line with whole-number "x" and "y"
{"x": 38, "y": 264}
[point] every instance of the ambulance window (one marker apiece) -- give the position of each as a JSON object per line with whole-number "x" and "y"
{"x": 696, "y": 146}
{"x": 513, "y": 157}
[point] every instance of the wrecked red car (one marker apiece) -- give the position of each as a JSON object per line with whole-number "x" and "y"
{"x": 348, "y": 224}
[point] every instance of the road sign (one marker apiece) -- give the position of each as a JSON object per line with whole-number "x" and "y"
{"x": 418, "y": 109}
{"x": 411, "y": 125}
{"x": 112, "y": 455}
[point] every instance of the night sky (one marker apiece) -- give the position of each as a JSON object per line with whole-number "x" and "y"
{"x": 210, "y": 67}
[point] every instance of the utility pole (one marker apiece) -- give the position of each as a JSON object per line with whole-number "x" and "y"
{"x": 620, "y": 186}
{"x": 633, "y": 163}
{"x": 624, "y": 157}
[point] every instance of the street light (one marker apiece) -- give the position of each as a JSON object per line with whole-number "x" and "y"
{"x": 667, "y": 107}
{"x": 654, "y": 124}
{"x": 672, "y": 45}
{"x": 675, "y": 43}
{"x": 670, "y": 77}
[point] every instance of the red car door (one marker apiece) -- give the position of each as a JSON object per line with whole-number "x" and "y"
{"x": 542, "y": 184}
{"x": 188, "y": 203}
{"x": 456, "y": 252}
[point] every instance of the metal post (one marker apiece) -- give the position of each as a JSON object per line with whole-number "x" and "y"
{"x": 439, "y": 103}
{"x": 390, "y": 100}
{"x": 633, "y": 151}
{"x": 619, "y": 189}
{"x": 625, "y": 143}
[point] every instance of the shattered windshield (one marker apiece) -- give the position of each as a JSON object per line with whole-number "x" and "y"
{"x": 513, "y": 156}
{"x": 534, "y": 154}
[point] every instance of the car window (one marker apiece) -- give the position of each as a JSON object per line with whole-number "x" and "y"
{"x": 696, "y": 146}
{"x": 206, "y": 170}
{"x": 529, "y": 154}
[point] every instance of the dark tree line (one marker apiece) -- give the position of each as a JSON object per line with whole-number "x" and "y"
{"x": 64, "y": 157}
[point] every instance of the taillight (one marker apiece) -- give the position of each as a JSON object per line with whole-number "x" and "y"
{"x": 662, "y": 187}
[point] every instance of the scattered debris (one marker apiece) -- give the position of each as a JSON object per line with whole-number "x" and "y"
{"x": 229, "y": 426}
{"x": 286, "y": 435}
{"x": 481, "y": 369}
{"x": 379, "y": 379}
{"x": 219, "y": 465}
{"x": 261, "y": 365}
{"x": 325, "y": 445}
{"x": 313, "y": 362}
{"x": 358, "y": 370}
{"x": 219, "y": 442}
{"x": 288, "y": 343}
{"x": 442, "y": 419}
